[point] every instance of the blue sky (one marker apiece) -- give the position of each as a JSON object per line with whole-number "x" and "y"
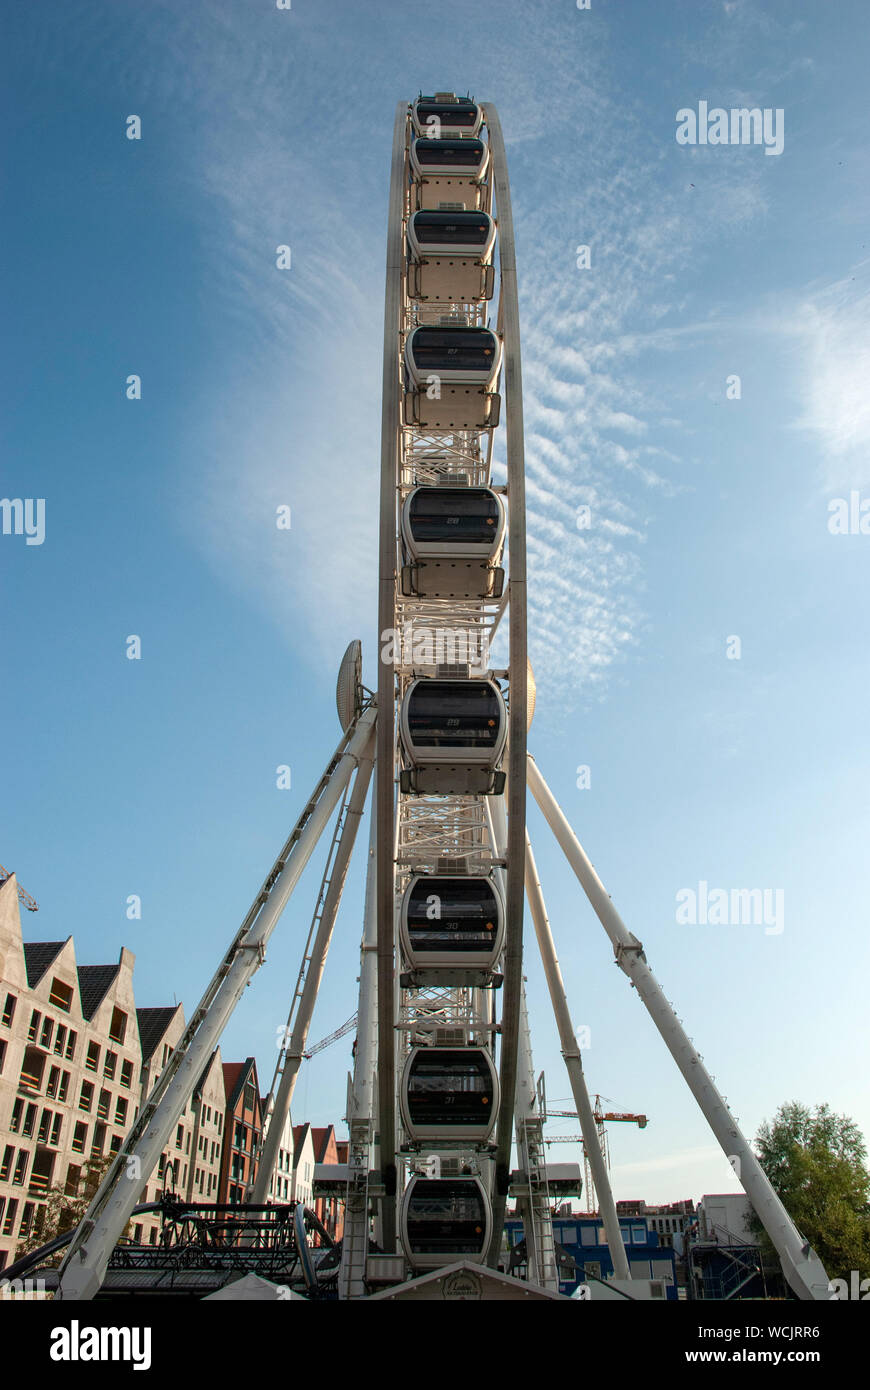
{"x": 260, "y": 387}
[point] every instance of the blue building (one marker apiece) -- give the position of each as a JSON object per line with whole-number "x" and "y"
{"x": 582, "y": 1240}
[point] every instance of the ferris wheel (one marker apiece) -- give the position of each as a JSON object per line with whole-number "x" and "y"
{"x": 443, "y": 1092}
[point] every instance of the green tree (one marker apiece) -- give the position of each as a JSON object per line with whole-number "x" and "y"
{"x": 815, "y": 1161}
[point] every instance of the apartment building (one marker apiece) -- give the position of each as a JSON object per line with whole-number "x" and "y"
{"x": 243, "y": 1126}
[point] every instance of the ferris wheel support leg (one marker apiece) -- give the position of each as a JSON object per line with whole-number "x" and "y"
{"x": 362, "y": 1099}
{"x": 801, "y": 1265}
{"x": 85, "y": 1265}
{"x": 319, "y": 951}
{"x": 574, "y": 1066}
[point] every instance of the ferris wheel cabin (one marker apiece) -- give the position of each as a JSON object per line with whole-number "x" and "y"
{"x": 453, "y": 737}
{"x": 450, "y": 376}
{"x": 445, "y": 114}
{"x": 452, "y": 928}
{"x": 450, "y": 257}
{"x": 448, "y": 174}
{"x": 453, "y": 539}
{"x": 444, "y": 1220}
{"x": 449, "y": 1093}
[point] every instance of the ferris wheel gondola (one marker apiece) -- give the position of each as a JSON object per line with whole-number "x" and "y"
{"x": 445, "y": 114}
{"x": 452, "y": 541}
{"x": 453, "y": 735}
{"x": 449, "y": 1093}
{"x": 450, "y": 256}
{"x": 452, "y": 929}
{"x": 448, "y": 174}
{"x": 444, "y": 1220}
{"x": 451, "y": 372}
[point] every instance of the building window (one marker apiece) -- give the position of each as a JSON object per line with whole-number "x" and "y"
{"x": 2, "y": 1053}
{"x": 9, "y": 1010}
{"x": 9, "y": 1223}
{"x": 35, "y": 1019}
{"x": 73, "y": 1178}
{"x": 109, "y": 1065}
{"x": 152, "y": 1236}
{"x": 15, "y": 1117}
{"x": 126, "y": 1073}
{"x": 179, "y": 1136}
{"x": 53, "y": 1079}
{"x": 32, "y": 1067}
{"x": 8, "y": 1155}
{"x": 80, "y": 1135}
{"x": 103, "y": 1104}
{"x": 99, "y": 1139}
{"x": 92, "y": 1061}
{"x": 43, "y": 1167}
{"x": 137, "y": 1233}
{"x": 115, "y": 1143}
{"x": 47, "y": 1030}
{"x": 60, "y": 1039}
{"x": 43, "y": 1126}
{"x": 120, "y": 1110}
{"x": 20, "y": 1168}
{"x": 87, "y": 1096}
{"x": 64, "y": 1086}
{"x": 56, "y": 1124}
{"x": 71, "y": 1045}
{"x": 118, "y": 1029}
{"x": 61, "y": 995}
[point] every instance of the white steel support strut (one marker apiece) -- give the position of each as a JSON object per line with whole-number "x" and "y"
{"x": 85, "y": 1265}
{"x": 295, "y": 1047}
{"x": 801, "y": 1265}
{"x": 574, "y": 1067}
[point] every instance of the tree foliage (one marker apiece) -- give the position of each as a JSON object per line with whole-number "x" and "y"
{"x": 816, "y": 1163}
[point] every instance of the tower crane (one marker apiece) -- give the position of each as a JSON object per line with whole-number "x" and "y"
{"x": 601, "y": 1118}
{"x": 331, "y": 1037}
{"x": 23, "y": 897}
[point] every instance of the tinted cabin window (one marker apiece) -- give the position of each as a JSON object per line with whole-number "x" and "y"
{"x": 454, "y": 714}
{"x": 453, "y": 349}
{"x": 453, "y": 513}
{"x": 467, "y": 919}
{"x": 450, "y": 1088}
{"x": 459, "y": 154}
{"x": 458, "y": 115}
{"x": 444, "y": 1217}
{"x": 451, "y": 228}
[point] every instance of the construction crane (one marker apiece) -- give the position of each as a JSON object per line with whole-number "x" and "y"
{"x": 601, "y": 1118}
{"x": 23, "y": 897}
{"x": 331, "y": 1037}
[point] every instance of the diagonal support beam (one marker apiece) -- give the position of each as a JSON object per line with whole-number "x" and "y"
{"x": 801, "y": 1265}
{"x": 574, "y": 1066}
{"x": 85, "y": 1265}
{"x": 296, "y": 1046}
